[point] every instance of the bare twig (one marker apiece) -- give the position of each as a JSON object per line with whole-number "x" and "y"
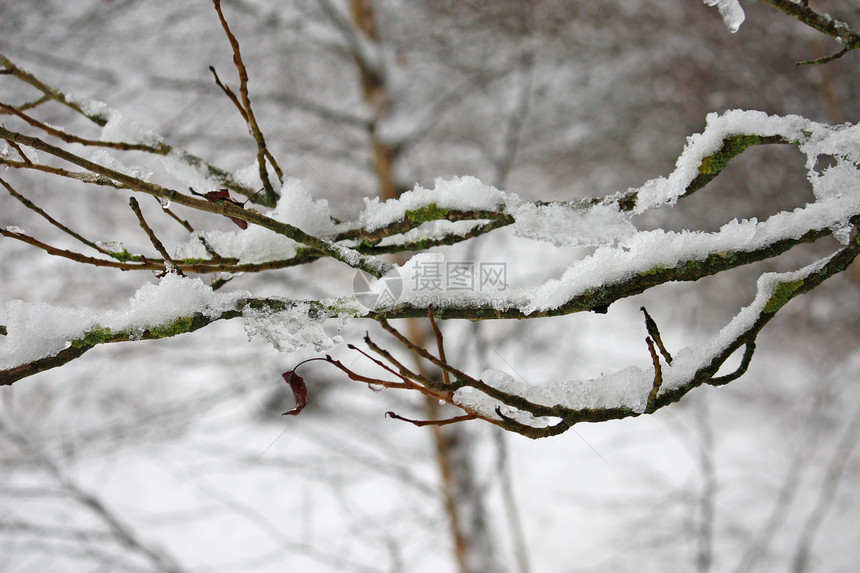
{"x": 263, "y": 153}
{"x": 185, "y": 224}
{"x": 35, "y": 208}
{"x": 654, "y": 333}
{"x": 837, "y": 30}
{"x": 79, "y": 257}
{"x": 749, "y": 350}
{"x": 346, "y": 255}
{"x": 419, "y": 351}
{"x": 377, "y": 362}
{"x": 159, "y": 246}
{"x": 424, "y": 384}
{"x": 421, "y": 423}
{"x": 439, "y": 344}
{"x": 83, "y": 176}
{"x": 69, "y": 138}
{"x": 99, "y": 114}
{"x": 658, "y": 377}
{"x": 229, "y": 93}
{"x": 824, "y": 60}
{"x": 406, "y": 384}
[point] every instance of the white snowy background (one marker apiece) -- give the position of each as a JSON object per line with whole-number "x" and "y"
{"x": 171, "y": 455}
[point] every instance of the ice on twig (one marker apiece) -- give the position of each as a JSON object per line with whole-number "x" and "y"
{"x": 92, "y": 108}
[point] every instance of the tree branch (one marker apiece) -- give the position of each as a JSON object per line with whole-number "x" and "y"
{"x": 248, "y": 113}
{"x": 837, "y": 30}
{"x": 135, "y": 206}
{"x": 338, "y": 252}
{"x": 100, "y": 113}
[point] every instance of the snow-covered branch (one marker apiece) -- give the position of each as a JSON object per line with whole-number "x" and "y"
{"x": 839, "y": 31}
{"x": 623, "y": 259}
{"x": 626, "y": 261}
{"x": 550, "y": 409}
{"x": 733, "y": 15}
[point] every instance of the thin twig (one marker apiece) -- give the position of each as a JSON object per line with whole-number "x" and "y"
{"x": 374, "y": 360}
{"x": 100, "y": 118}
{"x": 439, "y": 344}
{"x": 79, "y": 257}
{"x": 35, "y": 208}
{"x": 83, "y": 176}
{"x": 406, "y": 384}
{"x": 216, "y": 265}
{"x": 21, "y": 153}
{"x": 749, "y": 350}
{"x": 185, "y": 224}
{"x": 69, "y": 138}
{"x": 658, "y": 377}
{"x": 837, "y": 30}
{"x": 404, "y": 372}
{"x": 262, "y": 152}
{"x": 341, "y": 253}
{"x": 461, "y": 376}
{"x": 825, "y": 59}
{"x": 226, "y": 89}
{"x": 421, "y": 423}
{"x": 173, "y": 266}
{"x": 651, "y": 327}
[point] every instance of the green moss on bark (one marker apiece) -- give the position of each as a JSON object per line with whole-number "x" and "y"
{"x": 732, "y": 147}
{"x": 781, "y": 295}
{"x": 430, "y": 212}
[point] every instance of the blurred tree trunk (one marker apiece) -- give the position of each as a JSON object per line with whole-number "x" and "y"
{"x": 464, "y": 502}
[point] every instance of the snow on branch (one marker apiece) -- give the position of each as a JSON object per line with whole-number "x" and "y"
{"x": 297, "y": 229}
{"x": 264, "y": 156}
{"x": 733, "y": 16}
{"x": 731, "y": 11}
{"x": 626, "y": 262}
{"x": 547, "y": 410}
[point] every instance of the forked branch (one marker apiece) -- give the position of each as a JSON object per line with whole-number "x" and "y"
{"x": 545, "y": 411}
{"x": 424, "y": 218}
{"x": 839, "y": 31}
{"x": 263, "y": 154}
